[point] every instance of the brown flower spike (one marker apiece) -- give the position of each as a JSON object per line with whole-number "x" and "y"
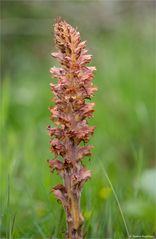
{"x": 70, "y": 114}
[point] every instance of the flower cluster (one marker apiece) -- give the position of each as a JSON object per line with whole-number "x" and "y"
{"x": 70, "y": 114}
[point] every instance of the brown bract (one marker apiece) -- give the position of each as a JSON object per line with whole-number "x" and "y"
{"x": 70, "y": 114}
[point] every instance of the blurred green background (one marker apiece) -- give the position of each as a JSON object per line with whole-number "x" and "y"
{"x": 119, "y": 201}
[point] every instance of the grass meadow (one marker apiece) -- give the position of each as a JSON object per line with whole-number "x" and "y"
{"x": 119, "y": 201}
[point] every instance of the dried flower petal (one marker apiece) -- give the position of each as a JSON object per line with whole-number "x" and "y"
{"x": 84, "y": 151}
{"x": 82, "y": 176}
{"x": 60, "y": 193}
{"x": 56, "y": 164}
{"x": 57, "y": 147}
{"x": 57, "y": 72}
{"x": 82, "y": 132}
{"x": 57, "y": 132}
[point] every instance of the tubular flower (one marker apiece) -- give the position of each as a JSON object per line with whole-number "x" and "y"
{"x": 70, "y": 114}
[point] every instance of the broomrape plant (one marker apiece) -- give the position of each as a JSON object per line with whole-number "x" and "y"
{"x": 70, "y": 114}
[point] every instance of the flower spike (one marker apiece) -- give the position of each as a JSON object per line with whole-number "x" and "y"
{"x": 70, "y": 114}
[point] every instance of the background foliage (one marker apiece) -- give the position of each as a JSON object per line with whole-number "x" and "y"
{"x": 120, "y": 35}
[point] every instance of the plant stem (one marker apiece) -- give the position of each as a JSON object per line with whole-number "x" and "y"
{"x": 74, "y": 216}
